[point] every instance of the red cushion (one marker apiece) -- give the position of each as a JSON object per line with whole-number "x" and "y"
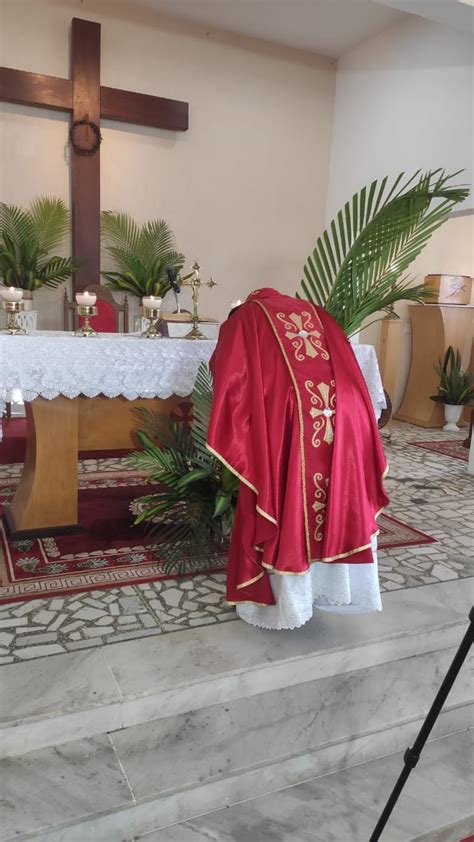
{"x": 105, "y": 321}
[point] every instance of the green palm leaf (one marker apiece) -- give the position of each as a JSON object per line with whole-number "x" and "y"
{"x": 192, "y": 510}
{"x": 357, "y": 266}
{"x": 141, "y": 254}
{"x": 121, "y": 231}
{"x": 202, "y": 399}
{"x": 51, "y": 222}
{"x": 27, "y": 238}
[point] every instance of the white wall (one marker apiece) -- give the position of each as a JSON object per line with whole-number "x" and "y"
{"x": 404, "y": 100}
{"x": 244, "y": 189}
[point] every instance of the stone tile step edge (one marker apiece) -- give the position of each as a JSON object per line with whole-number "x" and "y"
{"x": 31, "y": 733}
{"x": 129, "y": 821}
{"x": 450, "y": 833}
{"x": 128, "y": 672}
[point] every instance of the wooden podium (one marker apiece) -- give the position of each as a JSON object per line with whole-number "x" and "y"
{"x": 434, "y": 328}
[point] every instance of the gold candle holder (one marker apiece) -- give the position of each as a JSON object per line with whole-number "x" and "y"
{"x": 86, "y": 311}
{"x": 152, "y": 314}
{"x": 12, "y": 308}
{"x": 193, "y": 280}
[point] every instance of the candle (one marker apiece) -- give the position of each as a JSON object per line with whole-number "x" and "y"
{"x": 86, "y": 299}
{"x": 12, "y": 294}
{"x": 234, "y": 304}
{"x": 151, "y": 302}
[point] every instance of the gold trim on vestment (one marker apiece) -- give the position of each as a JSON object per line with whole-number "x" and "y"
{"x": 326, "y": 560}
{"x": 300, "y": 415}
{"x": 250, "y": 581}
{"x": 242, "y": 479}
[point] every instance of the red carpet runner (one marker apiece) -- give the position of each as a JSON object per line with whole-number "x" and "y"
{"x": 453, "y": 447}
{"x": 110, "y": 551}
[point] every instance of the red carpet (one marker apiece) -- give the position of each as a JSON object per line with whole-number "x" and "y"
{"x": 452, "y": 448}
{"x": 13, "y": 445}
{"x": 110, "y": 551}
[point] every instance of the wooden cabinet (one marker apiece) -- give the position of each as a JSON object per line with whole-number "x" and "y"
{"x": 434, "y": 328}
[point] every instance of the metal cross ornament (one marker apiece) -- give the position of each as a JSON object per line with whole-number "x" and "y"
{"x": 194, "y": 281}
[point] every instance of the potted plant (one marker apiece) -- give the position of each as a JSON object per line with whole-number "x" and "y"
{"x": 28, "y": 242}
{"x": 455, "y": 388}
{"x": 357, "y": 268}
{"x": 192, "y": 507}
{"x": 141, "y": 254}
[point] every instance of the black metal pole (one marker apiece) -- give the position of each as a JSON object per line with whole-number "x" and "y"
{"x": 412, "y": 755}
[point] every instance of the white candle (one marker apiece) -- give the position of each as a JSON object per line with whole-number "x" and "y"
{"x": 151, "y": 302}
{"x": 86, "y": 299}
{"x": 12, "y": 294}
{"x": 234, "y": 304}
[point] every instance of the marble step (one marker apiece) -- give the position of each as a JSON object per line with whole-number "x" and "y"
{"x": 80, "y": 793}
{"x": 80, "y": 695}
{"x": 167, "y": 770}
{"x": 436, "y": 805}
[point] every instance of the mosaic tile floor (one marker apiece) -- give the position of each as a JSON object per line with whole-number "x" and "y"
{"x": 431, "y": 492}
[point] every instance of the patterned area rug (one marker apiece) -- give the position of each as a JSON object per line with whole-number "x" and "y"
{"x": 452, "y": 448}
{"x": 110, "y": 552}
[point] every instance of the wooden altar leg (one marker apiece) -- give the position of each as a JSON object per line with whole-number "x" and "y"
{"x": 46, "y": 499}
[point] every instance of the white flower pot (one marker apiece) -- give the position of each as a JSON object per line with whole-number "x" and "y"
{"x": 452, "y": 414}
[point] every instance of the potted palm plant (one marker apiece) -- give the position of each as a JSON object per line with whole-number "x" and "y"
{"x": 191, "y": 509}
{"x": 28, "y": 243}
{"x": 455, "y": 389}
{"x": 357, "y": 268}
{"x": 141, "y": 254}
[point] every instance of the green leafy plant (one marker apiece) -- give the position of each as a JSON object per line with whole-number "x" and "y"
{"x": 357, "y": 266}
{"x": 192, "y": 510}
{"x": 141, "y": 254}
{"x": 455, "y": 388}
{"x": 28, "y": 240}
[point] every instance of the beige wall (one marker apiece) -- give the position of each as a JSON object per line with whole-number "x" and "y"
{"x": 404, "y": 101}
{"x": 244, "y": 190}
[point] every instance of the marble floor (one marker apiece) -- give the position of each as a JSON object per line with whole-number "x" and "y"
{"x": 430, "y": 491}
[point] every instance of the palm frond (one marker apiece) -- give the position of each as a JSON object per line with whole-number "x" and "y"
{"x": 355, "y": 268}
{"x": 120, "y": 230}
{"x": 202, "y": 399}
{"x": 140, "y": 254}
{"x": 51, "y": 222}
{"x": 16, "y": 223}
{"x": 54, "y": 271}
{"x": 156, "y": 239}
{"x": 192, "y": 510}
{"x": 27, "y": 238}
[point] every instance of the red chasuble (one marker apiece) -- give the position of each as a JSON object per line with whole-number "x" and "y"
{"x": 292, "y": 418}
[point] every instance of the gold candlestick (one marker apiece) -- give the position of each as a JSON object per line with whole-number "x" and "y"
{"x": 153, "y": 314}
{"x": 86, "y": 311}
{"x": 12, "y": 308}
{"x": 193, "y": 280}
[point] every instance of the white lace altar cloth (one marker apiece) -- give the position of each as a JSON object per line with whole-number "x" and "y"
{"x": 48, "y": 364}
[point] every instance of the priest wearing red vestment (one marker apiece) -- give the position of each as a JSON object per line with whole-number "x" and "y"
{"x": 292, "y": 418}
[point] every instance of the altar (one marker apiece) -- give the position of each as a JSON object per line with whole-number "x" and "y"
{"x": 80, "y": 394}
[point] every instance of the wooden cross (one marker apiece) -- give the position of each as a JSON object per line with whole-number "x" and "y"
{"x": 85, "y": 98}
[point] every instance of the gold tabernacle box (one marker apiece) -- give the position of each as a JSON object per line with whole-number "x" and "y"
{"x": 448, "y": 289}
